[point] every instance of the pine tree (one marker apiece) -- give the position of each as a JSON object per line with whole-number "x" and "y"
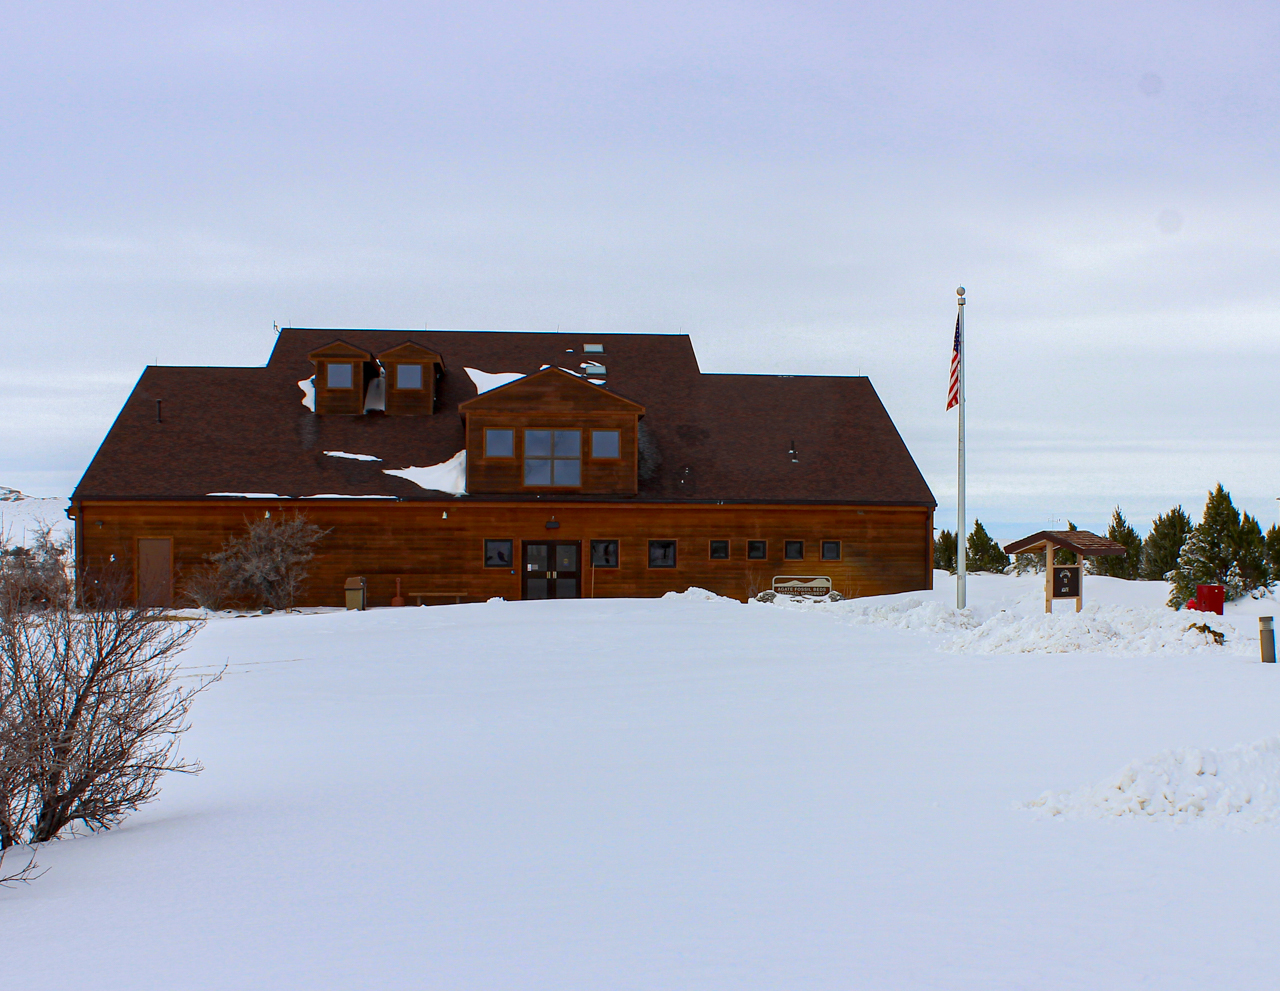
{"x": 982, "y": 553}
{"x": 1164, "y": 543}
{"x": 944, "y": 551}
{"x": 1122, "y": 533}
{"x": 1224, "y": 549}
{"x": 1063, "y": 556}
{"x": 1273, "y": 552}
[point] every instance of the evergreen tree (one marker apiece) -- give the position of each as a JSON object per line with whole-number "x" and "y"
{"x": 1273, "y": 552}
{"x": 1063, "y": 556}
{"x": 1224, "y": 549}
{"x": 982, "y": 553}
{"x": 944, "y": 551}
{"x": 1164, "y": 543}
{"x": 1122, "y": 533}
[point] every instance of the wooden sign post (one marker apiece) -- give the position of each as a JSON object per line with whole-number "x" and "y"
{"x": 1065, "y": 581}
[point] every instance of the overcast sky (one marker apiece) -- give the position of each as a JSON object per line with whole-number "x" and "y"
{"x": 799, "y": 187}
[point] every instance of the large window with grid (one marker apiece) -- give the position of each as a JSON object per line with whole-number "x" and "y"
{"x": 553, "y": 457}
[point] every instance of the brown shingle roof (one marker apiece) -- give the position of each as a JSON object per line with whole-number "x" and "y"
{"x": 712, "y": 437}
{"x": 1081, "y": 541}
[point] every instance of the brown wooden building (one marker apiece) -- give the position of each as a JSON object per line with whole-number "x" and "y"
{"x": 473, "y": 464}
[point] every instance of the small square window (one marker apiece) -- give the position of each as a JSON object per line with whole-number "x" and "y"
{"x": 497, "y": 554}
{"x": 537, "y": 471}
{"x": 593, "y": 349}
{"x": 408, "y": 376}
{"x": 662, "y": 553}
{"x": 793, "y": 550}
{"x": 605, "y": 444}
{"x": 757, "y": 550}
{"x": 719, "y": 550}
{"x": 338, "y": 376}
{"x": 499, "y": 443}
{"x": 566, "y": 471}
{"x": 604, "y": 553}
{"x": 831, "y": 550}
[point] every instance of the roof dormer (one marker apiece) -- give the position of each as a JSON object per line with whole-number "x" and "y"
{"x": 343, "y": 374}
{"x": 412, "y": 372}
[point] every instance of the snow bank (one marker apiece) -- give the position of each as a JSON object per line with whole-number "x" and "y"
{"x": 491, "y": 380}
{"x": 1239, "y": 785}
{"x": 448, "y": 476}
{"x": 1007, "y": 617}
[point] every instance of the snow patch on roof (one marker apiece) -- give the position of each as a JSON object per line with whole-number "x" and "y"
{"x": 353, "y": 457}
{"x": 247, "y": 495}
{"x": 376, "y": 397}
{"x": 448, "y": 476}
{"x": 491, "y": 380}
{"x": 339, "y": 495}
{"x": 308, "y": 387}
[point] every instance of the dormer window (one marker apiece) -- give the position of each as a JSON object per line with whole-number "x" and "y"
{"x": 553, "y": 457}
{"x": 338, "y": 375}
{"x": 593, "y": 349}
{"x": 408, "y": 376}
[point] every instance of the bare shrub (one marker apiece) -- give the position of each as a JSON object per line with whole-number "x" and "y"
{"x": 91, "y": 713}
{"x": 205, "y": 588}
{"x": 270, "y": 561}
{"x": 35, "y": 577}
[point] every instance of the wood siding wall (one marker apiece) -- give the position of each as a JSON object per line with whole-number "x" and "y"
{"x": 610, "y": 476}
{"x": 441, "y": 558}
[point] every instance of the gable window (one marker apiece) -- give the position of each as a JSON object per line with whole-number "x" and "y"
{"x": 604, "y": 553}
{"x": 793, "y": 550}
{"x": 553, "y": 457}
{"x": 499, "y": 443}
{"x": 662, "y": 553}
{"x": 831, "y": 550}
{"x": 338, "y": 375}
{"x": 605, "y": 444}
{"x": 757, "y": 550}
{"x": 497, "y": 553}
{"x": 719, "y": 550}
{"x": 408, "y": 376}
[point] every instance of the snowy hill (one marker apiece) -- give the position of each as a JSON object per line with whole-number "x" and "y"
{"x": 21, "y": 515}
{"x": 678, "y": 793}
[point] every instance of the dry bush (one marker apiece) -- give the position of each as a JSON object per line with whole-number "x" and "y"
{"x": 91, "y": 712}
{"x": 205, "y": 588}
{"x": 270, "y": 561}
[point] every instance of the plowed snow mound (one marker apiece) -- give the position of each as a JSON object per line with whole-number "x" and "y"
{"x": 1240, "y": 785}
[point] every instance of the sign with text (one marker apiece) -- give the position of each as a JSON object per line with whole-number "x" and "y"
{"x": 801, "y": 585}
{"x": 1066, "y": 581}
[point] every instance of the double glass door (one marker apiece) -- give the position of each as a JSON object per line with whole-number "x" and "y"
{"x": 552, "y": 570}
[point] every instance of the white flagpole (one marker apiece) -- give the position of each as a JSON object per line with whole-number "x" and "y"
{"x": 961, "y": 528}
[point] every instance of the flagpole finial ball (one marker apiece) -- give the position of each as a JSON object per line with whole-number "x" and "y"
{"x": 960, "y": 291}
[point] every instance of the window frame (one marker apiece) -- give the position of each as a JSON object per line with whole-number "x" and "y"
{"x": 786, "y": 550}
{"x": 551, "y": 458}
{"x": 605, "y": 457}
{"x": 757, "y": 557}
{"x": 485, "y": 441}
{"x": 617, "y": 552}
{"x": 675, "y": 553}
{"x": 329, "y": 366}
{"x": 484, "y": 557}
{"x": 711, "y": 550}
{"x": 839, "y": 550}
{"x": 422, "y": 377}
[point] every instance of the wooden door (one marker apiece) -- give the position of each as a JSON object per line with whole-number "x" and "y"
{"x": 552, "y": 570}
{"x": 155, "y": 572}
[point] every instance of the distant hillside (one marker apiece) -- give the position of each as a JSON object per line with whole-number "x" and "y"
{"x": 21, "y": 515}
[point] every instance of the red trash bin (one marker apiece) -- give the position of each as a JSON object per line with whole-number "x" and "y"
{"x": 1209, "y": 598}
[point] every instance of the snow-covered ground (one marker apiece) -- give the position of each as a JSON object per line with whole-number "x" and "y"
{"x": 695, "y": 793}
{"x": 22, "y": 515}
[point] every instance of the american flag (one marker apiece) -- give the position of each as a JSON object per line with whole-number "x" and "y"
{"x": 953, "y": 393}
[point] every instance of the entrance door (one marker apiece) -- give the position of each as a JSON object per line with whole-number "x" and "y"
{"x": 552, "y": 571}
{"x": 155, "y": 572}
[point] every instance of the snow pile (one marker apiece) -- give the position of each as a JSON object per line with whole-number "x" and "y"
{"x": 353, "y": 457}
{"x": 485, "y": 381}
{"x": 308, "y": 387}
{"x": 448, "y": 476}
{"x": 1007, "y": 617}
{"x": 1240, "y": 784}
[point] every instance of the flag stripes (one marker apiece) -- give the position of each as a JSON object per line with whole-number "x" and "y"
{"x": 953, "y": 392}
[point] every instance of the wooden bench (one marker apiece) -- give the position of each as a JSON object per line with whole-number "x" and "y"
{"x": 419, "y": 596}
